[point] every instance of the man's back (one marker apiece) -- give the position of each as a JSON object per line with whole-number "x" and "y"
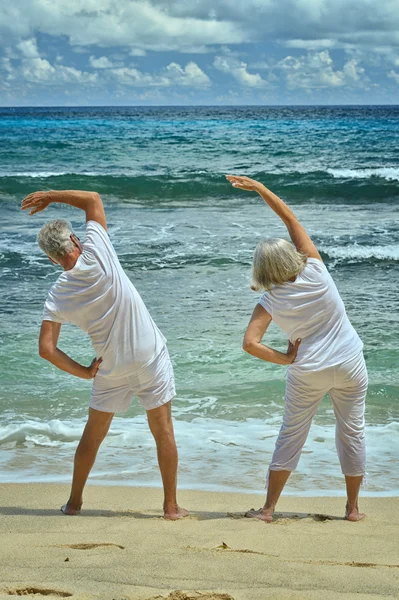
{"x": 97, "y": 296}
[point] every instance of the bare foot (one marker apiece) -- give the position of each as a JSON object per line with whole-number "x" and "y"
{"x": 176, "y": 513}
{"x": 263, "y": 514}
{"x": 353, "y": 514}
{"x": 68, "y": 510}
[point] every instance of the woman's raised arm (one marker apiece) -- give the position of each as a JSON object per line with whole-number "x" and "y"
{"x": 297, "y": 232}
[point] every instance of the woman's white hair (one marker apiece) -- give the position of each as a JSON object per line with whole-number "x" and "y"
{"x": 275, "y": 262}
{"x": 54, "y": 239}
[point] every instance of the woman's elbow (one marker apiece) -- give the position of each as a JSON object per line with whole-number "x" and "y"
{"x": 45, "y": 351}
{"x": 248, "y": 345}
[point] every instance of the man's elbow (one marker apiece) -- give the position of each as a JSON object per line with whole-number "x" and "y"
{"x": 96, "y": 198}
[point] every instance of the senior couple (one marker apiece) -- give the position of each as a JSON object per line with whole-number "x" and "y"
{"x": 324, "y": 352}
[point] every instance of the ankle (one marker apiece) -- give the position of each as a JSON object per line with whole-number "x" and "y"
{"x": 75, "y": 503}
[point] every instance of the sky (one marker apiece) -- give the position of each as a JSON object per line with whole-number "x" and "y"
{"x": 198, "y": 52}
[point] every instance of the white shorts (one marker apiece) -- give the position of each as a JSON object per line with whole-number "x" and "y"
{"x": 153, "y": 386}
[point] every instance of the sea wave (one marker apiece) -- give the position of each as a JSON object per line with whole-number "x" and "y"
{"x": 194, "y": 186}
{"x": 355, "y": 253}
{"x": 214, "y": 453}
{"x": 388, "y": 173}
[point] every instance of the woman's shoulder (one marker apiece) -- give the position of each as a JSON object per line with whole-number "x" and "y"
{"x": 315, "y": 265}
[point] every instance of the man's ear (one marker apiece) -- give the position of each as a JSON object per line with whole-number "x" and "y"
{"x": 76, "y": 241}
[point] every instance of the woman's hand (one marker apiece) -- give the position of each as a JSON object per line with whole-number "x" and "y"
{"x": 93, "y": 368}
{"x": 244, "y": 183}
{"x": 36, "y": 202}
{"x": 292, "y": 351}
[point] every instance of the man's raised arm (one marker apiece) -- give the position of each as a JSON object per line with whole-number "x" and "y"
{"x": 90, "y": 202}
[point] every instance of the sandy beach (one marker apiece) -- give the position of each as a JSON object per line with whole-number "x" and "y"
{"x": 120, "y": 547}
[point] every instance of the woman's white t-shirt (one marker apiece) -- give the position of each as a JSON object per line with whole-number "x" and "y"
{"x": 310, "y": 308}
{"x": 97, "y": 296}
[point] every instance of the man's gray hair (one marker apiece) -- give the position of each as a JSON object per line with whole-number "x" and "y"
{"x": 54, "y": 239}
{"x": 275, "y": 262}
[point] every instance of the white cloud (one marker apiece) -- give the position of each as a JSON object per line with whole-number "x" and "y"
{"x": 28, "y": 48}
{"x": 144, "y": 24}
{"x": 238, "y": 70}
{"x": 185, "y": 24}
{"x": 137, "y": 52}
{"x": 190, "y": 75}
{"x": 100, "y": 63}
{"x": 40, "y": 71}
{"x": 393, "y": 75}
{"x": 321, "y": 44}
{"x": 316, "y": 70}
{"x": 111, "y": 32}
{"x": 173, "y": 75}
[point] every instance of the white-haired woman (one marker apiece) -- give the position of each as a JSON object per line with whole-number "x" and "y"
{"x": 325, "y": 354}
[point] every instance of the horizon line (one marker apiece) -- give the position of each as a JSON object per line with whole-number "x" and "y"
{"x": 354, "y": 105}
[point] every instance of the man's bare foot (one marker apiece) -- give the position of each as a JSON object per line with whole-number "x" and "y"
{"x": 263, "y": 514}
{"x": 353, "y": 514}
{"x": 69, "y": 510}
{"x": 175, "y": 513}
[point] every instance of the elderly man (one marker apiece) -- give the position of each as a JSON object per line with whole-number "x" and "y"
{"x": 95, "y": 294}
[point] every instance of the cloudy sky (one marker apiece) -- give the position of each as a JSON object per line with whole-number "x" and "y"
{"x": 96, "y": 52}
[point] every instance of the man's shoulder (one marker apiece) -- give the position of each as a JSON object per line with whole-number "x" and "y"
{"x": 58, "y": 285}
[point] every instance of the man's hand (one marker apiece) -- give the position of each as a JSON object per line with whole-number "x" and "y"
{"x": 244, "y": 183}
{"x": 292, "y": 351}
{"x": 95, "y": 365}
{"x": 36, "y": 202}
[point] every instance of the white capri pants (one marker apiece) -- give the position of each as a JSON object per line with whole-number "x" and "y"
{"x": 347, "y": 385}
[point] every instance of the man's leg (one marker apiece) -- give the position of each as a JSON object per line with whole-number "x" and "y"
{"x": 161, "y": 426}
{"x": 95, "y": 431}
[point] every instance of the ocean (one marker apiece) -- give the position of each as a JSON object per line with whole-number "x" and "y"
{"x": 185, "y": 237}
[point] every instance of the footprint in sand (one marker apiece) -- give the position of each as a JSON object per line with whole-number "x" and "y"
{"x": 90, "y": 546}
{"x": 287, "y": 518}
{"x": 178, "y": 595}
{"x": 31, "y": 591}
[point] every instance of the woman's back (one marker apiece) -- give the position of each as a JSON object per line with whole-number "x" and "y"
{"x": 310, "y": 308}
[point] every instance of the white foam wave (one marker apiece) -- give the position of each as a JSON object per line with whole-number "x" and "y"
{"x": 214, "y": 454}
{"x": 356, "y": 253}
{"x": 389, "y": 173}
{"x": 45, "y": 174}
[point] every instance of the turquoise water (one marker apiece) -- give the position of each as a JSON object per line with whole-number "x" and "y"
{"x": 186, "y": 238}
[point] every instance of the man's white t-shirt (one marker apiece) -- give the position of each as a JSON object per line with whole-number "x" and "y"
{"x": 310, "y": 308}
{"x": 97, "y": 296}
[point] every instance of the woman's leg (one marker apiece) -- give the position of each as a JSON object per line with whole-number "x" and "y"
{"x": 304, "y": 393}
{"x": 348, "y": 398}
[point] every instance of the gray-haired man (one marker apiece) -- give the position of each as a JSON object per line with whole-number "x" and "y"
{"x": 95, "y": 294}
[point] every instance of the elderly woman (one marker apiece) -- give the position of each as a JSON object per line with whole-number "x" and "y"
{"x": 324, "y": 352}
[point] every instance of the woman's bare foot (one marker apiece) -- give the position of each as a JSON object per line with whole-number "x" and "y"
{"x": 263, "y": 514}
{"x": 67, "y": 509}
{"x": 353, "y": 514}
{"x": 174, "y": 513}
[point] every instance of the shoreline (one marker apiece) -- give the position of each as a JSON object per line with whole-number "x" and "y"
{"x": 120, "y": 548}
{"x": 208, "y": 488}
